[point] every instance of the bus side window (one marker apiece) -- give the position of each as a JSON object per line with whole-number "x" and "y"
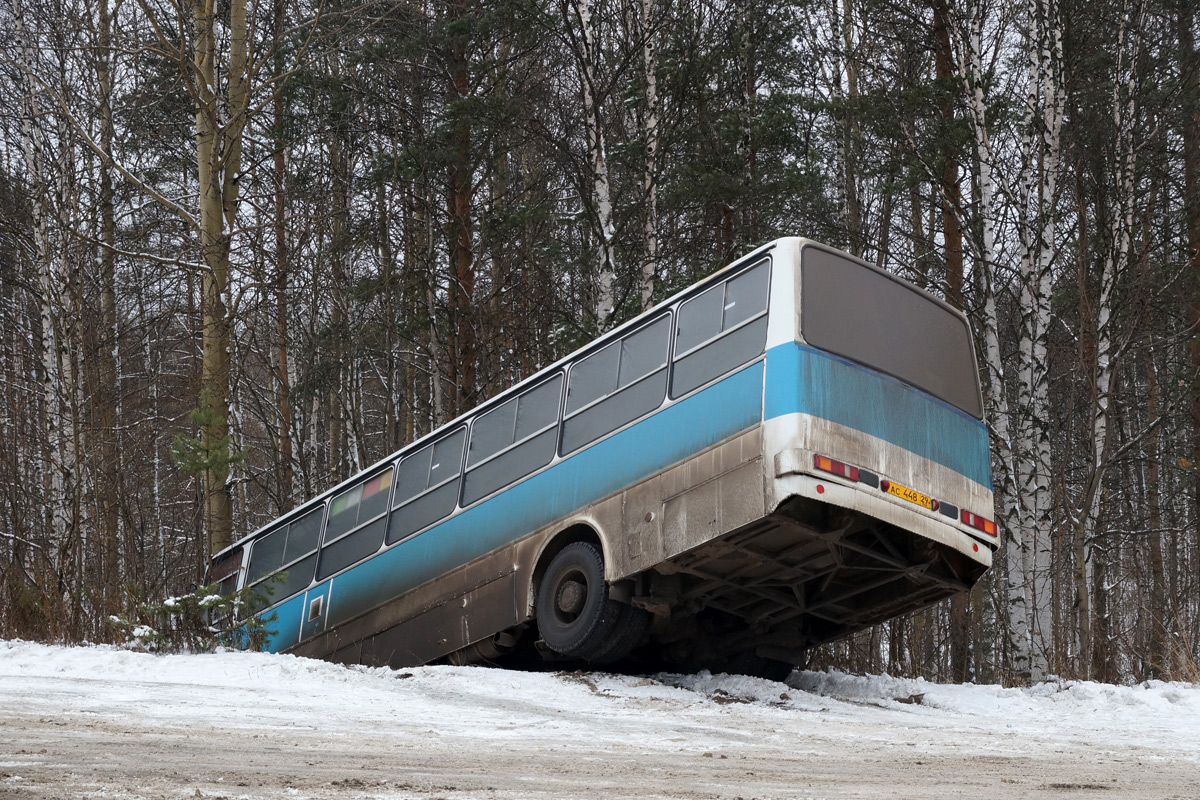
{"x": 616, "y": 385}
{"x": 356, "y": 524}
{"x": 427, "y": 486}
{"x": 224, "y": 573}
{"x": 512, "y": 440}
{"x": 721, "y": 329}
{"x": 291, "y": 547}
{"x": 267, "y": 555}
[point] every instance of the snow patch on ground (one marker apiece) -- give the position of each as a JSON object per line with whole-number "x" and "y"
{"x": 487, "y": 721}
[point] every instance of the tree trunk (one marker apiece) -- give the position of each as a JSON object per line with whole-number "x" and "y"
{"x": 460, "y": 202}
{"x": 283, "y": 399}
{"x": 960, "y": 640}
{"x": 1038, "y": 193}
{"x": 218, "y": 160}
{"x": 951, "y": 191}
{"x": 54, "y": 464}
{"x": 1015, "y": 613}
{"x": 338, "y": 388}
{"x": 108, "y": 475}
{"x": 649, "y": 29}
{"x": 601, "y": 196}
{"x": 847, "y": 142}
{"x": 1189, "y": 69}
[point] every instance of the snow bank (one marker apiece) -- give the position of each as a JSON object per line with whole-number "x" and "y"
{"x": 474, "y": 702}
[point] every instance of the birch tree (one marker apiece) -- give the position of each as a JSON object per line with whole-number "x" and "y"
{"x": 1045, "y": 98}
{"x": 969, "y": 45}
{"x": 648, "y": 27}
{"x": 582, "y": 33}
{"x": 57, "y": 459}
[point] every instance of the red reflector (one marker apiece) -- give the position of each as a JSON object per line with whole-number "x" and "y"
{"x": 834, "y": 467}
{"x": 979, "y": 523}
{"x": 820, "y": 489}
{"x": 885, "y": 484}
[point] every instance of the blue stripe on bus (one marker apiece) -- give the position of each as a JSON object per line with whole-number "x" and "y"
{"x": 667, "y": 437}
{"x": 807, "y": 381}
{"x": 284, "y": 630}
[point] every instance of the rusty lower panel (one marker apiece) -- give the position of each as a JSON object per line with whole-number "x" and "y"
{"x": 810, "y": 573}
{"x": 460, "y": 608}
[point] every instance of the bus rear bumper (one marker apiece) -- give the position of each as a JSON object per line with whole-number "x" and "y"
{"x": 855, "y": 497}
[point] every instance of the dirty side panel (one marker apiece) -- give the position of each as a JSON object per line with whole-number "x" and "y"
{"x": 375, "y": 596}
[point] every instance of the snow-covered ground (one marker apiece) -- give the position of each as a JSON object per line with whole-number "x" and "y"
{"x": 102, "y": 722}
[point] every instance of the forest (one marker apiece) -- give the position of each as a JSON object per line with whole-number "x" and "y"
{"x": 249, "y": 247}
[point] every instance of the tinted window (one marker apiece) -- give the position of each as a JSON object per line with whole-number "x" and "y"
{"x": 538, "y": 408}
{"x": 351, "y": 549}
{"x": 294, "y": 579}
{"x": 492, "y": 432}
{"x": 423, "y": 511}
{"x": 358, "y": 505}
{"x": 633, "y": 393}
{"x": 447, "y": 458}
{"x": 267, "y": 554}
{"x": 343, "y": 513}
{"x": 431, "y": 491}
{"x": 284, "y": 545}
{"x": 877, "y": 320}
{"x": 303, "y": 535}
{"x": 530, "y": 443}
{"x": 734, "y": 313}
{"x": 375, "y": 496}
{"x": 618, "y": 409}
{"x": 745, "y": 296}
{"x": 619, "y": 364}
{"x": 412, "y": 476}
{"x": 516, "y": 420}
{"x": 593, "y": 377}
{"x": 699, "y": 319}
{"x": 718, "y": 357}
{"x": 224, "y": 572}
{"x": 644, "y": 352}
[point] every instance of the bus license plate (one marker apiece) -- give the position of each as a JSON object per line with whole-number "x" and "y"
{"x": 911, "y": 495}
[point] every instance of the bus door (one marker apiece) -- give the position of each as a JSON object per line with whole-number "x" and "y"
{"x": 315, "y": 610}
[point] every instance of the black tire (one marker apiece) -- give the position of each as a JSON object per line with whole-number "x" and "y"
{"x": 627, "y": 634}
{"x": 575, "y": 615}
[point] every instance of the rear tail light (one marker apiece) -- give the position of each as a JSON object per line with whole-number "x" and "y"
{"x": 853, "y": 473}
{"x": 979, "y": 523}
{"x": 834, "y": 467}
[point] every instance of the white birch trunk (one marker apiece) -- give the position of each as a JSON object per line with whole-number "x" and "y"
{"x": 1016, "y": 588}
{"x": 845, "y": 96}
{"x": 55, "y": 462}
{"x": 650, "y": 183}
{"x": 605, "y": 297}
{"x": 1037, "y": 194}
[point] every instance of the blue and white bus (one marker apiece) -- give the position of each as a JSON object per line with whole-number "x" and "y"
{"x": 787, "y": 452}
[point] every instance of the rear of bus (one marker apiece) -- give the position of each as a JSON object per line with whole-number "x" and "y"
{"x": 873, "y": 420}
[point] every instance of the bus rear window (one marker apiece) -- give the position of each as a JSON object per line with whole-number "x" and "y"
{"x": 868, "y": 316}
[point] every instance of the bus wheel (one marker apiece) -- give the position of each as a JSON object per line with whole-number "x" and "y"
{"x": 575, "y": 615}
{"x": 631, "y": 627}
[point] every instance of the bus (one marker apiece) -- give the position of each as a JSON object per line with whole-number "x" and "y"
{"x": 787, "y": 452}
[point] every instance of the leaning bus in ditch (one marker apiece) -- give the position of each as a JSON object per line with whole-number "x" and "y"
{"x": 787, "y": 452}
